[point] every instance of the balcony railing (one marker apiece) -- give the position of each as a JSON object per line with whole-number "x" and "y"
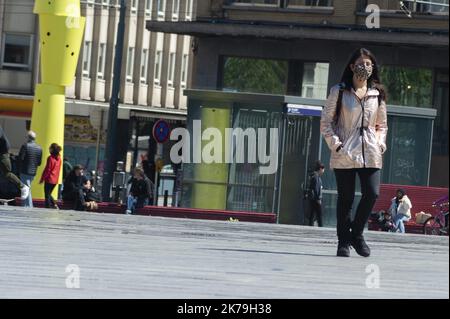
{"x": 282, "y": 3}
{"x": 411, "y": 6}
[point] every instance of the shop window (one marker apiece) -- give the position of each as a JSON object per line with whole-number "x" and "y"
{"x": 255, "y": 75}
{"x": 408, "y": 86}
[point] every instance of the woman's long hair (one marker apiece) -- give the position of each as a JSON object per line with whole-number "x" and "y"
{"x": 55, "y": 149}
{"x": 374, "y": 80}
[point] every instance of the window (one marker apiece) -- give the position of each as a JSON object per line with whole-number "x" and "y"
{"x": 134, "y": 5}
{"x": 189, "y": 9}
{"x": 144, "y": 66}
{"x": 87, "y": 58}
{"x": 315, "y": 80}
{"x": 175, "y": 9}
{"x": 130, "y": 64}
{"x": 427, "y": 6}
{"x": 158, "y": 65}
{"x": 184, "y": 70}
{"x": 257, "y": 2}
{"x": 16, "y": 51}
{"x": 101, "y": 61}
{"x": 285, "y": 3}
{"x": 255, "y": 75}
{"x": 161, "y": 7}
{"x": 408, "y": 86}
{"x": 148, "y": 7}
{"x": 309, "y": 3}
{"x": 171, "y": 74}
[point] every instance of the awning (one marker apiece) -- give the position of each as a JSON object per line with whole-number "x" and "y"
{"x": 296, "y": 31}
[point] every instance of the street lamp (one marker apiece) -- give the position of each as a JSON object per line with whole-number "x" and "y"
{"x": 111, "y": 138}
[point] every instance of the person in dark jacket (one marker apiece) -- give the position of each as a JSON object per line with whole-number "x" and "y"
{"x": 50, "y": 175}
{"x": 5, "y": 166}
{"x": 67, "y": 167}
{"x": 140, "y": 191}
{"x": 30, "y": 158}
{"x": 73, "y": 188}
{"x": 91, "y": 197}
{"x": 315, "y": 194}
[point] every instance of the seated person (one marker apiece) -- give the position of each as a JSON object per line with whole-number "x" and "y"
{"x": 140, "y": 191}
{"x": 91, "y": 197}
{"x": 387, "y": 224}
{"x": 400, "y": 210}
{"x": 73, "y": 188}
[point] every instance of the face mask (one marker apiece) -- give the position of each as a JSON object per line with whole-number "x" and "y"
{"x": 362, "y": 72}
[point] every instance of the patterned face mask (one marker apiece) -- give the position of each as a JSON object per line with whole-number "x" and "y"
{"x": 363, "y": 72}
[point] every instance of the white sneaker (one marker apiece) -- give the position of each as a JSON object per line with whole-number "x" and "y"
{"x": 128, "y": 212}
{"x": 24, "y": 192}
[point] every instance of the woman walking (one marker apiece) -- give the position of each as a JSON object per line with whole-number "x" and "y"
{"x": 354, "y": 125}
{"x": 50, "y": 175}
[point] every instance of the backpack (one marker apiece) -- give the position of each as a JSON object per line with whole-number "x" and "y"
{"x": 308, "y": 191}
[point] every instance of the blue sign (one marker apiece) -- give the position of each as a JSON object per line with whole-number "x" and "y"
{"x": 161, "y": 131}
{"x": 304, "y": 110}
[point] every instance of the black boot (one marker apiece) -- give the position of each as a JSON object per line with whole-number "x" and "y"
{"x": 360, "y": 246}
{"x": 343, "y": 249}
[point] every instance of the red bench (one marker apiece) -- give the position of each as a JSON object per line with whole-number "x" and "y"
{"x": 176, "y": 212}
{"x": 421, "y": 197}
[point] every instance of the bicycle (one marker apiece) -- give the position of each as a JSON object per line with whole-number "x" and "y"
{"x": 438, "y": 224}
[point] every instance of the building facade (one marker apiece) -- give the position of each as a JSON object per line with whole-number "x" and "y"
{"x": 155, "y": 72}
{"x": 299, "y": 48}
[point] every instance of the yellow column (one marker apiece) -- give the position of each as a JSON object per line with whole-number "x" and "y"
{"x": 61, "y": 31}
{"x": 212, "y": 196}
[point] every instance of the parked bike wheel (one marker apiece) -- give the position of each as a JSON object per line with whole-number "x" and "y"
{"x": 432, "y": 226}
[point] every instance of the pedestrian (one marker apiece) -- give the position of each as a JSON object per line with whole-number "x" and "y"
{"x": 50, "y": 175}
{"x": 354, "y": 125}
{"x": 315, "y": 194}
{"x": 91, "y": 197}
{"x": 5, "y": 166}
{"x": 141, "y": 191}
{"x": 30, "y": 158}
{"x": 400, "y": 210}
{"x": 73, "y": 188}
{"x": 67, "y": 167}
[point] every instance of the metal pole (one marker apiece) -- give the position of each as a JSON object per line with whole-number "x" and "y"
{"x": 111, "y": 140}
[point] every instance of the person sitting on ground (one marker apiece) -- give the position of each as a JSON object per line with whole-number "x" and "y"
{"x": 140, "y": 191}
{"x": 91, "y": 197}
{"x": 400, "y": 210}
{"x": 73, "y": 188}
{"x": 6, "y": 169}
{"x": 386, "y": 223}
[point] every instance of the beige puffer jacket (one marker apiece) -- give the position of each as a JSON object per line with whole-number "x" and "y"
{"x": 360, "y": 147}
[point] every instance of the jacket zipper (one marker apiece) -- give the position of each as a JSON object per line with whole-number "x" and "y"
{"x": 361, "y": 131}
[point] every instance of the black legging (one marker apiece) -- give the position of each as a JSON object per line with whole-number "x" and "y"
{"x": 370, "y": 188}
{"x": 49, "y": 201}
{"x": 315, "y": 209}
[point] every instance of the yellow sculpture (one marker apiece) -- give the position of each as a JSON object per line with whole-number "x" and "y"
{"x": 61, "y": 33}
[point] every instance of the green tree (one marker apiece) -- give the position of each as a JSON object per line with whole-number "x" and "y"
{"x": 255, "y": 75}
